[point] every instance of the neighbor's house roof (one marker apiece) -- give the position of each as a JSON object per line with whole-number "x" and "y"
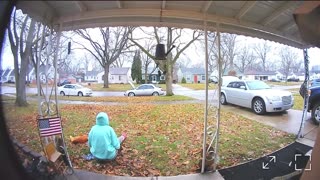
{"x": 92, "y": 73}
{"x": 42, "y": 68}
{"x": 119, "y": 71}
{"x": 269, "y": 20}
{"x": 12, "y": 73}
{"x": 150, "y": 69}
{"x": 6, "y": 72}
{"x": 193, "y": 70}
{"x": 260, "y": 73}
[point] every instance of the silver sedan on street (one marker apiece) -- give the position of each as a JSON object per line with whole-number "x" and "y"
{"x": 144, "y": 90}
{"x": 74, "y": 90}
{"x": 256, "y": 95}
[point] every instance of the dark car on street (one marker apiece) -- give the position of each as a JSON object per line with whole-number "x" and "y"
{"x": 63, "y": 83}
{"x": 292, "y": 79}
{"x": 314, "y": 102}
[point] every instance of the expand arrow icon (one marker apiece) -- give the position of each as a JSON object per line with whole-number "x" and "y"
{"x": 273, "y": 158}
{"x": 265, "y": 166}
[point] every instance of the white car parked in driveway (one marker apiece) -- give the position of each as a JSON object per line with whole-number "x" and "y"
{"x": 74, "y": 90}
{"x": 256, "y": 95}
{"x": 144, "y": 90}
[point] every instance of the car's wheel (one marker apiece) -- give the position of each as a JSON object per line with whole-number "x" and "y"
{"x": 155, "y": 94}
{"x": 62, "y": 93}
{"x": 223, "y": 99}
{"x": 131, "y": 94}
{"x": 258, "y": 106}
{"x": 316, "y": 114}
{"x": 80, "y": 93}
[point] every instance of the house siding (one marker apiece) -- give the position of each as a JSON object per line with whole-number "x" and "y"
{"x": 116, "y": 78}
{"x": 191, "y": 77}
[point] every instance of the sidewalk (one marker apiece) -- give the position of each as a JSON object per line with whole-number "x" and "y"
{"x": 86, "y": 175}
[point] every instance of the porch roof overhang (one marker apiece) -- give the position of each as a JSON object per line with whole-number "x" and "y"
{"x": 269, "y": 20}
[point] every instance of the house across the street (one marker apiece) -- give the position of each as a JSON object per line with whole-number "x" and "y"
{"x": 261, "y": 75}
{"x": 91, "y": 76}
{"x": 117, "y": 75}
{"x": 192, "y": 75}
{"x": 153, "y": 75}
{"x": 5, "y": 75}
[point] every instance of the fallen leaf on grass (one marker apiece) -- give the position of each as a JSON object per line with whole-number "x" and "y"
{"x": 154, "y": 172}
{"x": 185, "y": 163}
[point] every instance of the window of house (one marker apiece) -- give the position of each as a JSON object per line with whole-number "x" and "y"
{"x": 162, "y": 77}
{"x": 154, "y": 78}
{"x": 203, "y": 77}
{"x": 188, "y": 77}
{"x": 119, "y": 78}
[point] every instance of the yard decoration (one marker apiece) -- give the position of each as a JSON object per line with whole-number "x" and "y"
{"x": 49, "y": 119}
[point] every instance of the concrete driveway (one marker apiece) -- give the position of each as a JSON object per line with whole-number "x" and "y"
{"x": 288, "y": 121}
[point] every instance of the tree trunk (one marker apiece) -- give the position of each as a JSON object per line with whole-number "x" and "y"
{"x": 21, "y": 99}
{"x": 146, "y": 75}
{"x": 169, "y": 91}
{"x": 106, "y": 76}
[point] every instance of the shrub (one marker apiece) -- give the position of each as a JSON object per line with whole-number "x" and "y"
{"x": 183, "y": 80}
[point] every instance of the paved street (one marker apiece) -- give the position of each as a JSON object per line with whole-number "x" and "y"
{"x": 9, "y": 89}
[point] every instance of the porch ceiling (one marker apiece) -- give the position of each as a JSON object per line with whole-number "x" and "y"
{"x": 269, "y": 20}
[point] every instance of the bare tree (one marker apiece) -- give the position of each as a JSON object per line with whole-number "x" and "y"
{"x": 261, "y": 51}
{"x": 146, "y": 60}
{"x": 21, "y": 49}
{"x": 244, "y": 59}
{"x": 106, "y": 52}
{"x": 64, "y": 60}
{"x": 172, "y": 37}
{"x": 229, "y": 47}
{"x": 184, "y": 63}
{"x": 227, "y": 51}
{"x": 288, "y": 59}
{"x": 297, "y": 65}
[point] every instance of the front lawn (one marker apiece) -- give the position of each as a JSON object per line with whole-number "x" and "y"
{"x": 122, "y": 99}
{"x": 198, "y": 86}
{"x": 298, "y": 102}
{"x": 162, "y": 139}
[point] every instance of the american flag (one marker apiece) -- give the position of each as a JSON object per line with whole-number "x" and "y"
{"x": 49, "y": 127}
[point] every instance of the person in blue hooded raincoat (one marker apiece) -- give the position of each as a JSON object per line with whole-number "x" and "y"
{"x": 102, "y": 140}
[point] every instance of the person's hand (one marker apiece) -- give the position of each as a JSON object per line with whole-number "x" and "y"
{"x": 124, "y": 134}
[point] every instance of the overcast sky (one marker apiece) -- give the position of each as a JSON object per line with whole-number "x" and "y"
{"x": 194, "y": 54}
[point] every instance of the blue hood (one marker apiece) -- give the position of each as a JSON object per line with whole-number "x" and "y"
{"x": 102, "y": 119}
